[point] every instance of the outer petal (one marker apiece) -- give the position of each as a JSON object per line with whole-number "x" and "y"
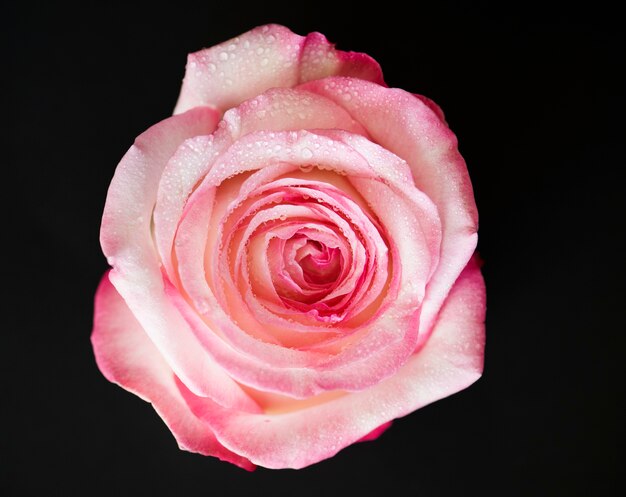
{"x": 133, "y": 189}
{"x": 319, "y": 59}
{"x": 126, "y": 356}
{"x": 432, "y": 106}
{"x": 127, "y": 242}
{"x": 408, "y": 127}
{"x": 269, "y": 56}
{"x": 376, "y": 432}
{"x": 451, "y": 360}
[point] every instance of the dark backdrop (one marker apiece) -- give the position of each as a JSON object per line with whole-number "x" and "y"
{"x": 535, "y": 97}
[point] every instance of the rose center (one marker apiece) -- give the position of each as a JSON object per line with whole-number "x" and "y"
{"x": 320, "y": 264}
{"x": 310, "y": 268}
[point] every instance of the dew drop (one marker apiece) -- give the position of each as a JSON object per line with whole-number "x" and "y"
{"x": 306, "y": 153}
{"x": 202, "y": 306}
{"x": 223, "y": 56}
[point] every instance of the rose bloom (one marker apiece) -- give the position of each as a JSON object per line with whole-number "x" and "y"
{"x": 292, "y": 255}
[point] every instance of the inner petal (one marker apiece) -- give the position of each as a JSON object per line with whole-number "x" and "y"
{"x": 306, "y": 265}
{"x": 321, "y": 265}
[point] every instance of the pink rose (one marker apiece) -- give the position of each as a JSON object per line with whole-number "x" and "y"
{"x": 292, "y": 255}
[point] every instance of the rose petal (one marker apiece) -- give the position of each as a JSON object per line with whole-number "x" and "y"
{"x": 319, "y": 59}
{"x": 376, "y": 432}
{"x": 278, "y": 109}
{"x": 329, "y": 200}
{"x": 386, "y": 342}
{"x": 409, "y": 128}
{"x": 266, "y": 57}
{"x": 126, "y": 356}
{"x": 184, "y": 169}
{"x": 127, "y": 242}
{"x": 450, "y": 360}
{"x": 432, "y": 106}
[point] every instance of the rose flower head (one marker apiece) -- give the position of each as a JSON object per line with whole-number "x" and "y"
{"x": 292, "y": 255}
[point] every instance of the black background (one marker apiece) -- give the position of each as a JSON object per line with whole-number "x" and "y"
{"x": 535, "y": 97}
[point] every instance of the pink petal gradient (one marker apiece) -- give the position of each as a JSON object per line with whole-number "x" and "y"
{"x": 383, "y": 344}
{"x": 127, "y": 242}
{"x": 409, "y": 128}
{"x": 451, "y": 360}
{"x": 376, "y": 432}
{"x": 322, "y": 205}
{"x": 126, "y": 356}
{"x": 270, "y": 56}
